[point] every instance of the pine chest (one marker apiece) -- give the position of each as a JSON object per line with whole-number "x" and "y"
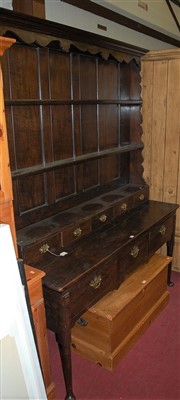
{"x": 109, "y": 329}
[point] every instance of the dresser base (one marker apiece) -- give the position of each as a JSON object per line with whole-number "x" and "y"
{"x": 109, "y": 329}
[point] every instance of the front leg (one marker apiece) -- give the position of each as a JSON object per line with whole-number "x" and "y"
{"x": 64, "y": 344}
{"x": 170, "y": 246}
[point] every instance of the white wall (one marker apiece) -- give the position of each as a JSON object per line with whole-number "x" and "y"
{"x": 6, "y": 4}
{"x": 158, "y": 13}
{"x": 12, "y": 382}
{"x": 157, "y": 17}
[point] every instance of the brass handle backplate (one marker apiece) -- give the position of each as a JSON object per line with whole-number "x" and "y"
{"x": 134, "y": 251}
{"x": 103, "y": 218}
{"x": 44, "y": 248}
{"x": 95, "y": 283}
{"x": 77, "y": 232}
{"x": 124, "y": 207}
{"x": 141, "y": 197}
{"x": 162, "y": 230}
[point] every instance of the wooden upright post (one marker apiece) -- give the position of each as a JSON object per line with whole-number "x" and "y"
{"x": 6, "y": 196}
{"x": 36, "y": 8}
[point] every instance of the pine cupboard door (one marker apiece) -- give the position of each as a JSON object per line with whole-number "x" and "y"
{"x": 160, "y": 75}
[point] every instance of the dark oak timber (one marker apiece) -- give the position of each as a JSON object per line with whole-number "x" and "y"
{"x": 82, "y": 210}
{"x": 31, "y": 7}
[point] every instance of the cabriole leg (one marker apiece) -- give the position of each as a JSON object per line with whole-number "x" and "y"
{"x": 170, "y": 246}
{"x": 64, "y": 344}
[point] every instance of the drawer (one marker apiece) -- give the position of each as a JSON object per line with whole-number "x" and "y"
{"x": 123, "y": 206}
{"x": 140, "y": 197}
{"x": 103, "y": 218}
{"x": 75, "y": 232}
{"x": 160, "y": 234}
{"x": 134, "y": 254}
{"x": 89, "y": 290}
{"x": 34, "y": 254}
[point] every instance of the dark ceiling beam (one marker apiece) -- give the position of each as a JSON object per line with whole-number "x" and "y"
{"x": 108, "y": 14}
{"x": 177, "y": 2}
{"x": 173, "y": 14}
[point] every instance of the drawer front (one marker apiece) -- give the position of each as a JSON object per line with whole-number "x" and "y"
{"x": 88, "y": 291}
{"x": 75, "y": 232}
{"x": 160, "y": 234}
{"x": 132, "y": 256}
{"x": 101, "y": 219}
{"x": 140, "y": 197}
{"x": 35, "y": 253}
{"x": 123, "y": 206}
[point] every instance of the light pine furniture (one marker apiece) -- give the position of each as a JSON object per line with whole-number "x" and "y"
{"x": 110, "y": 328}
{"x": 160, "y": 73}
{"x": 7, "y": 216}
{"x": 6, "y": 195}
{"x": 34, "y": 282}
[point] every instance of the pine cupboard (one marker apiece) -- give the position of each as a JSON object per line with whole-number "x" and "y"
{"x": 160, "y": 73}
{"x": 6, "y": 194}
{"x": 109, "y": 329}
{"x": 34, "y": 282}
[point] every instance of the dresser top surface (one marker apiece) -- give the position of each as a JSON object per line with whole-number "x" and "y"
{"x": 74, "y": 215}
{"x": 92, "y": 252}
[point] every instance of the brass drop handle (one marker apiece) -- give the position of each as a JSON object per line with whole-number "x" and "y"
{"x": 162, "y": 230}
{"x": 77, "y": 232}
{"x": 103, "y": 218}
{"x": 141, "y": 197}
{"x": 124, "y": 207}
{"x": 134, "y": 251}
{"x": 44, "y": 248}
{"x": 95, "y": 283}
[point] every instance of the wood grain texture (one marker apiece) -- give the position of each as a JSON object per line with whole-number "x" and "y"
{"x": 161, "y": 130}
{"x": 34, "y": 282}
{"x": 113, "y": 324}
{"x": 71, "y": 129}
{"x": 6, "y": 195}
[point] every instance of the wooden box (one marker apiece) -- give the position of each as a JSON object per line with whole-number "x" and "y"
{"x": 116, "y": 322}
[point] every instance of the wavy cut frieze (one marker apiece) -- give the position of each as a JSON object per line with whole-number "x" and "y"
{"x": 65, "y": 45}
